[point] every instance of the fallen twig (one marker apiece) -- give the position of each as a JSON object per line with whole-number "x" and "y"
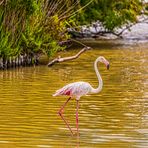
{"x": 59, "y": 59}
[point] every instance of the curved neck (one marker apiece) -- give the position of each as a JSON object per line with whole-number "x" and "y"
{"x": 99, "y": 88}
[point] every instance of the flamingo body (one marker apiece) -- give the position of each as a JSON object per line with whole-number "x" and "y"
{"x": 76, "y": 90}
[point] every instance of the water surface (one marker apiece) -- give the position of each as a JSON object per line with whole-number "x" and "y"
{"x": 116, "y": 117}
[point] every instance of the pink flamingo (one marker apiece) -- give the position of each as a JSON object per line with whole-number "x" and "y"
{"x": 78, "y": 89}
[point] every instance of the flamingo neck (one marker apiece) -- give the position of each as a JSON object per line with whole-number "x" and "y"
{"x": 99, "y": 88}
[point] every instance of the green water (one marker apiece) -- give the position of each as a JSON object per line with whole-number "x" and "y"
{"x": 117, "y": 117}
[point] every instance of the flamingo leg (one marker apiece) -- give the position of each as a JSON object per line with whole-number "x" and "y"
{"x": 62, "y": 108}
{"x": 60, "y": 113}
{"x": 77, "y": 117}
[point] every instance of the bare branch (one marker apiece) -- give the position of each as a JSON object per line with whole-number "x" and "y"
{"x": 59, "y": 59}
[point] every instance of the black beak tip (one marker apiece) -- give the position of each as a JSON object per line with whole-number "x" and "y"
{"x": 108, "y": 66}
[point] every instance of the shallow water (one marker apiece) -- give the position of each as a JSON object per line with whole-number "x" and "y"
{"x": 116, "y": 117}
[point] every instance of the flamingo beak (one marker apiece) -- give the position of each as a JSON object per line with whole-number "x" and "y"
{"x": 107, "y": 66}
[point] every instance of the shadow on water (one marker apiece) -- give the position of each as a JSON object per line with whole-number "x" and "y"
{"x": 116, "y": 117}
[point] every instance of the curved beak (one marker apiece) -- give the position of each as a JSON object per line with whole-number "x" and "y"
{"x": 107, "y": 66}
{"x": 106, "y": 63}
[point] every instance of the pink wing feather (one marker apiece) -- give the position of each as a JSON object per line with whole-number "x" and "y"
{"x": 74, "y": 89}
{"x": 66, "y": 90}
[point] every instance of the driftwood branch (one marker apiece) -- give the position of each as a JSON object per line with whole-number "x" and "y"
{"x": 59, "y": 59}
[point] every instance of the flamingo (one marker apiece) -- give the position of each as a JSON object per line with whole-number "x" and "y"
{"x": 79, "y": 89}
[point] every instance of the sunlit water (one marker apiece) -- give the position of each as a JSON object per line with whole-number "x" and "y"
{"x": 117, "y": 117}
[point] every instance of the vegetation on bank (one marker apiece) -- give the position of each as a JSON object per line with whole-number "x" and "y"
{"x": 32, "y": 27}
{"x": 29, "y": 28}
{"x": 111, "y": 13}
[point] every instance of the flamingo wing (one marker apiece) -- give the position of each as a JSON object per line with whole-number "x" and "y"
{"x": 77, "y": 89}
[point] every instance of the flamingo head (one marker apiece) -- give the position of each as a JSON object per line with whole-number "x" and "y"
{"x": 103, "y": 60}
